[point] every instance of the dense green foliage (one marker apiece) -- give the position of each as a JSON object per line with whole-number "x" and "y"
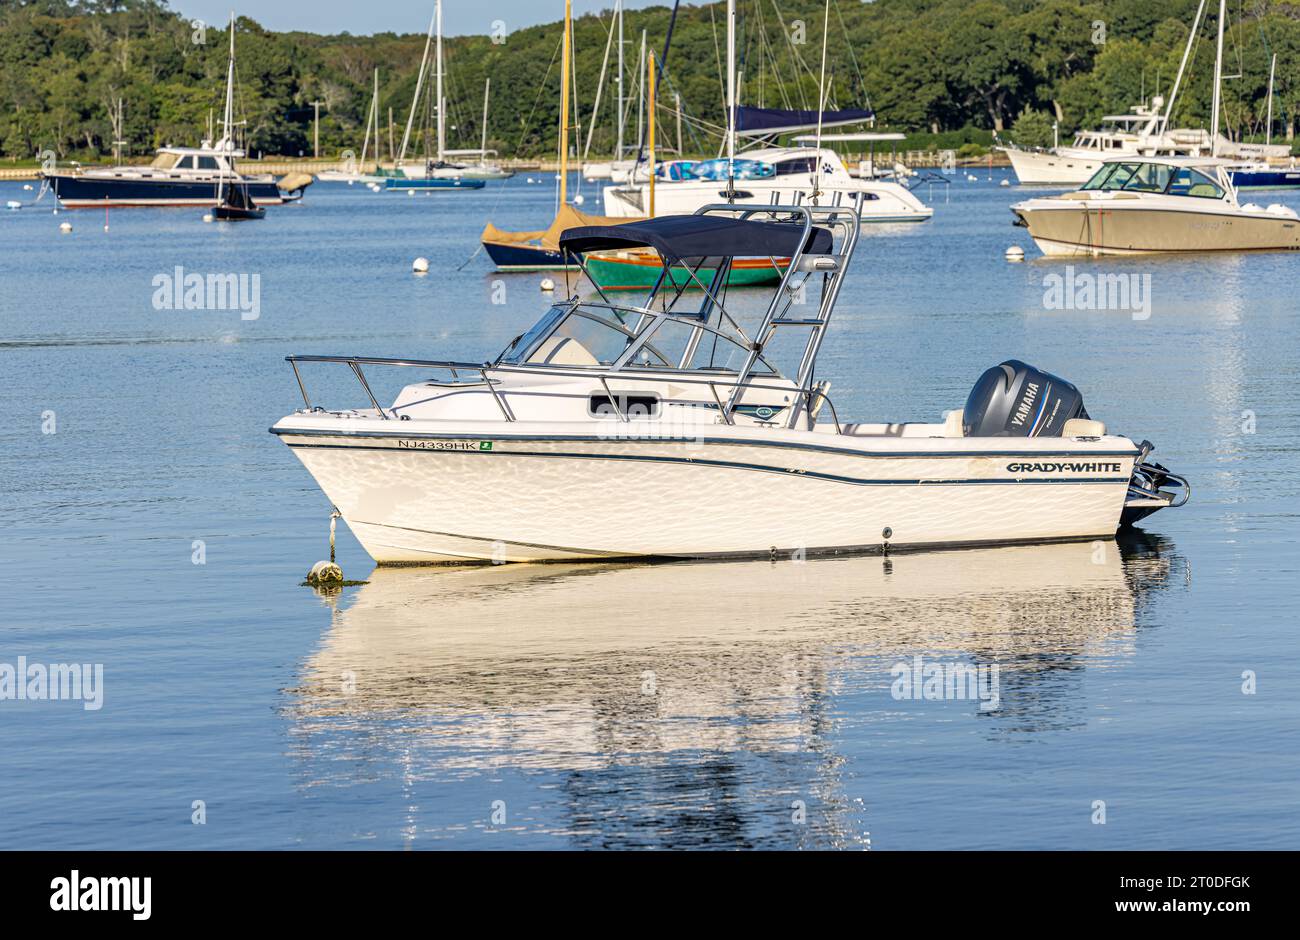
{"x": 930, "y": 66}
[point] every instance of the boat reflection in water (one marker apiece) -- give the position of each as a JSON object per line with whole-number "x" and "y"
{"x": 689, "y": 703}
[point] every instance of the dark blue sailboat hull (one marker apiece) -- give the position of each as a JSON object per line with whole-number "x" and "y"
{"x": 523, "y": 257}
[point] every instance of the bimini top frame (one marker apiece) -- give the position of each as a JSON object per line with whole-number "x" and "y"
{"x": 819, "y": 240}
{"x": 824, "y": 242}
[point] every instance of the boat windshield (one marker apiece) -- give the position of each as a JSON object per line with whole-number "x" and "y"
{"x": 1139, "y": 177}
{"x": 599, "y": 335}
{"x": 164, "y": 161}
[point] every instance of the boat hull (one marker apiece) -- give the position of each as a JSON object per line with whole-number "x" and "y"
{"x": 85, "y": 192}
{"x": 436, "y": 182}
{"x": 1279, "y": 178}
{"x": 520, "y": 257}
{"x": 1044, "y": 168}
{"x": 422, "y": 497}
{"x": 882, "y": 202}
{"x": 640, "y": 271}
{"x": 1081, "y": 229}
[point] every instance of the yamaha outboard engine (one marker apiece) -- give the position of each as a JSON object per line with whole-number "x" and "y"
{"x": 1017, "y": 400}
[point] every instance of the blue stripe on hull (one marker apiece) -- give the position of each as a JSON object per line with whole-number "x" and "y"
{"x": 81, "y": 191}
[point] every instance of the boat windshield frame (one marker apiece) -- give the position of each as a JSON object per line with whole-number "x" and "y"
{"x": 1100, "y": 180}
{"x": 638, "y": 340}
{"x": 842, "y": 217}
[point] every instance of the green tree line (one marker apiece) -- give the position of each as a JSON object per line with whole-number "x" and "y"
{"x": 77, "y": 75}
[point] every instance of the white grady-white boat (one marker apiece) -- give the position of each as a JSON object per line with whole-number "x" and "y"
{"x": 669, "y": 429}
{"x": 1145, "y": 206}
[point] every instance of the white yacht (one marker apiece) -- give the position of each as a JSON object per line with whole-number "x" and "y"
{"x": 1148, "y": 206}
{"x": 683, "y": 426}
{"x": 798, "y": 174}
{"x": 1139, "y": 134}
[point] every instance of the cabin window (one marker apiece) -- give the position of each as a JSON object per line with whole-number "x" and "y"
{"x": 801, "y": 165}
{"x": 1189, "y": 182}
{"x": 208, "y": 163}
{"x": 632, "y": 405}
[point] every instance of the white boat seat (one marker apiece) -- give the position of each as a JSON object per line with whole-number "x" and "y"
{"x": 1083, "y": 427}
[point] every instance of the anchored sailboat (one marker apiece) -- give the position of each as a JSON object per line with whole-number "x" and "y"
{"x": 234, "y": 204}
{"x": 540, "y": 250}
{"x": 434, "y": 172}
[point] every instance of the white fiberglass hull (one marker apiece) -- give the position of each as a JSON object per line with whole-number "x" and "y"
{"x": 1048, "y": 168}
{"x": 883, "y": 202}
{"x": 426, "y": 494}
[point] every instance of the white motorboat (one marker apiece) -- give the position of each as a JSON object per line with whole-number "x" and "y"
{"x": 1147, "y": 206}
{"x": 789, "y": 175}
{"x": 799, "y": 173}
{"x": 684, "y": 427}
{"x": 1139, "y": 134}
{"x": 1143, "y": 133}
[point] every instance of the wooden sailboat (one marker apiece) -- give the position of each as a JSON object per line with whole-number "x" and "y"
{"x": 540, "y": 250}
{"x": 234, "y": 204}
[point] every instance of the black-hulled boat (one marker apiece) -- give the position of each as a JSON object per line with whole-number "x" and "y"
{"x": 178, "y": 176}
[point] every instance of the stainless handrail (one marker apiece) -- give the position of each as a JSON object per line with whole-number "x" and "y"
{"x": 603, "y": 377}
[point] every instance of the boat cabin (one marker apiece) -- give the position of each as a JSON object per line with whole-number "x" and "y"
{"x": 1196, "y": 178}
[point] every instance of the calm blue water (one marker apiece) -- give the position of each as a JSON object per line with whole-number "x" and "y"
{"x": 721, "y": 705}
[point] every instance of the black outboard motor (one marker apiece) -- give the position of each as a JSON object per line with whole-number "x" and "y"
{"x": 1017, "y": 400}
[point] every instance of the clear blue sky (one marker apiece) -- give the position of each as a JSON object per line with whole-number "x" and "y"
{"x": 400, "y": 16}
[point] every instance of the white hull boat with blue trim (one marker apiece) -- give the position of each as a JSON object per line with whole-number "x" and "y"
{"x": 673, "y": 429}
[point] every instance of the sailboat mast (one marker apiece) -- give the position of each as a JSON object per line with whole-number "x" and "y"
{"x": 1268, "y": 127}
{"x": 650, "y": 97}
{"x": 1218, "y": 80}
{"x": 731, "y": 89}
{"x": 622, "y": 98}
{"x": 564, "y": 103}
{"x": 640, "y": 98}
{"x": 228, "y": 118}
{"x": 371, "y": 117}
{"x": 487, "y": 83}
{"x": 442, "y": 139}
{"x": 419, "y": 84}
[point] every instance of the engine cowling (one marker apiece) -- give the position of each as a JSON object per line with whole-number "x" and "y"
{"x": 1014, "y": 399}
